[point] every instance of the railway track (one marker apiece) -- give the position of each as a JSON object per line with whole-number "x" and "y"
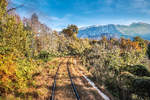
{"x": 71, "y": 81}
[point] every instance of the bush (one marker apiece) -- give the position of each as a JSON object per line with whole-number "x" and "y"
{"x": 16, "y": 73}
{"x": 141, "y": 86}
{"x": 44, "y": 55}
{"x": 148, "y": 51}
{"x": 138, "y": 70}
{"x": 7, "y": 73}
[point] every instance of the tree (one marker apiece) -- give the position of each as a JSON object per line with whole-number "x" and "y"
{"x": 3, "y": 5}
{"x": 148, "y": 51}
{"x": 13, "y": 36}
{"x": 15, "y": 63}
{"x": 35, "y": 25}
{"x": 70, "y": 31}
{"x": 141, "y": 41}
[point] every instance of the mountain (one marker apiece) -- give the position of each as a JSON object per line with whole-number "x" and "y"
{"x": 117, "y": 31}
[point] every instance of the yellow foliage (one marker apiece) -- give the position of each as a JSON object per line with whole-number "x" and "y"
{"x": 15, "y": 68}
{"x": 7, "y": 71}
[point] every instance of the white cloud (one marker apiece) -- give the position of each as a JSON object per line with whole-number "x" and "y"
{"x": 50, "y": 18}
{"x": 56, "y": 23}
{"x": 138, "y": 6}
{"x": 109, "y": 2}
{"x": 142, "y": 6}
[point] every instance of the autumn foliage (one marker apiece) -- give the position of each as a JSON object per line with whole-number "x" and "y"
{"x": 16, "y": 66}
{"x": 128, "y": 44}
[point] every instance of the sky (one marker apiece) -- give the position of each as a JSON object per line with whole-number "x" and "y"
{"x": 58, "y": 14}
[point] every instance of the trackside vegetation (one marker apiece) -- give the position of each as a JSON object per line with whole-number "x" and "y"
{"x": 122, "y": 66}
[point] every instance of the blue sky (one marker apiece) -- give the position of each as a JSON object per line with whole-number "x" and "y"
{"x": 57, "y": 14}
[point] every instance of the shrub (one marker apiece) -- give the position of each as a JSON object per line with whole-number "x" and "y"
{"x": 16, "y": 73}
{"x": 141, "y": 86}
{"x": 7, "y": 73}
{"x": 44, "y": 55}
{"x": 148, "y": 51}
{"x": 138, "y": 70}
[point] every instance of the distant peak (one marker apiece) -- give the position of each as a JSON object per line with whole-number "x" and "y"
{"x": 139, "y": 23}
{"x": 91, "y": 26}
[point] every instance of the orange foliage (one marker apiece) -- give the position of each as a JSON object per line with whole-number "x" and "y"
{"x": 128, "y": 44}
{"x": 135, "y": 45}
{"x": 104, "y": 39}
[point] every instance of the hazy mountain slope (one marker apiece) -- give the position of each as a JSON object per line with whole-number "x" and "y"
{"x": 111, "y": 30}
{"x": 136, "y": 29}
{"x": 97, "y": 31}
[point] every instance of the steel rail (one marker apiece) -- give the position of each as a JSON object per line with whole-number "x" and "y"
{"x": 54, "y": 83}
{"x": 72, "y": 83}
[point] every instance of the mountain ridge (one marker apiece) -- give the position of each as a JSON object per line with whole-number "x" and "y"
{"x": 116, "y": 30}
